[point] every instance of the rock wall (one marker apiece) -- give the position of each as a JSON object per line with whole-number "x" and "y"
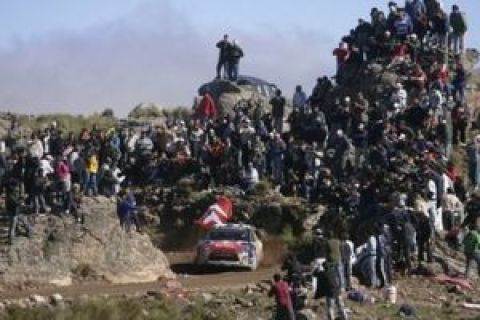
{"x": 60, "y": 250}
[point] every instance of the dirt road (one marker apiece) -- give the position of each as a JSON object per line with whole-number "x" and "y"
{"x": 190, "y": 276}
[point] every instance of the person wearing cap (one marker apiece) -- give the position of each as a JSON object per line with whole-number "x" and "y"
{"x": 223, "y": 47}
{"x": 235, "y": 53}
{"x": 458, "y": 23}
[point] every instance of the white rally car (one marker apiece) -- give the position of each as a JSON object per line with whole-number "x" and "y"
{"x": 230, "y": 245}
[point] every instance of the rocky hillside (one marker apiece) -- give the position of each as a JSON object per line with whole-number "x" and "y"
{"x": 61, "y": 250}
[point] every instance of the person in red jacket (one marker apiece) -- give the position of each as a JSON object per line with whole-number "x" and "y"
{"x": 281, "y": 291}
{"x": 207, "y": 108}
{"x": 342, "y": 53}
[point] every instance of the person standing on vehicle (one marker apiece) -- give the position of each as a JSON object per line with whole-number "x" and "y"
{"x": 281, "y": 291}
{"x": 278, "y": 110}
{"x": 234, "y": 56}
{"x": 224, "y": 47}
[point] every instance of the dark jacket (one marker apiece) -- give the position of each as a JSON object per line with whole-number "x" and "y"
{"x": 13, "y": 199}
{"x": 278, "y": 106}
{"x": 235, "y": 53}
{"x": 224, "y": 47}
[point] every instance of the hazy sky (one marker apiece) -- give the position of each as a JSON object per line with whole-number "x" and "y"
{"x": 83, "y": 56}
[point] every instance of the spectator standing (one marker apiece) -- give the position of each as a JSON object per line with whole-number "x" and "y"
{"x": 458, "y": 23}
{"x": 234, "y": 56}
{"x": 299, "y": 100}
{"x": 13, "y": 203}
{"x": 224, "y": 48}
{"x": 342, "y": 53}
{"x": 91, "y": 180}
{"x": 278, "y": 103}
{"x": 281, "y": 291}
{"x": 471, "y": 244}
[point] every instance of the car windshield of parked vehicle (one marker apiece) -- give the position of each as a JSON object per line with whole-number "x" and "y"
{"x": 229, "y": 234}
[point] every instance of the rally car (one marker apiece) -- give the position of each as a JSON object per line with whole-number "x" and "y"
{"x": 230, "y": 245}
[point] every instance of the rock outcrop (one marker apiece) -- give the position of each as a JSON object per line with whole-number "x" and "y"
{"x": 61, "y": 250}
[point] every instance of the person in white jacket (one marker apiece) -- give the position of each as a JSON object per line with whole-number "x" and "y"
{"x": 118, "y": 178}
{"x": 36, "y": 147}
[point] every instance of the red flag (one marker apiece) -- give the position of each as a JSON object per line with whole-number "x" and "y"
{"x": 217, "y": 214}
{"x": 207, "y": 108}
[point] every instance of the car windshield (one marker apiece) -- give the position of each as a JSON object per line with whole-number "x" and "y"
{"x": 229, "y": 234}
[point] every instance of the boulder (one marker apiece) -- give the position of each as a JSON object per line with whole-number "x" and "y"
{"x": 60, "y": 246}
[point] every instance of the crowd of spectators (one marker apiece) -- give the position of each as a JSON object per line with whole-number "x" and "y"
{"x": 384, "y": 156}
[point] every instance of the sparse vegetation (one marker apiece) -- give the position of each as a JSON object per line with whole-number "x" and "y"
{"x": 66, "y": 122}
{"x": 116, "y": 309}
{"x": 145, "y": 111}
{"x": 108, "y": 113}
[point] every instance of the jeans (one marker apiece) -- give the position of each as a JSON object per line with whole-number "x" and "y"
{"x": 336, "y": 302}
{"x": 278, "y": 124}
{"x": 18, "y": 220}
{"x": 39, "y": 203}
{"x": 233, "y": 68}
{"x": 458, "y": 91}
{"x": 372, "y": 269}
{"x": 91, "y": 184}
{"x": 222, "y": 65}
{"x": 471, "y": 260}
{"x": 277, "y": 169}
{"x": 425, "y": 246}
{"x": 458, "y": 43}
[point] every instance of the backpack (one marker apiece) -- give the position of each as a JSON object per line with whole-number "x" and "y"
{"x": 471, "y": 243}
